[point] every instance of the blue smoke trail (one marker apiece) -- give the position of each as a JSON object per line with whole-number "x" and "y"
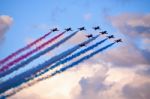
{"x": 23, "y": 63}
{"x": 19, "y": 79}
{"x": 3, "y": 97}
{"x": 69, "y": 58}
{"x": 81, "y": 60}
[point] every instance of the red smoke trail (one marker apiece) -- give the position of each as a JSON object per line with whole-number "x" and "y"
{"x": 24, "y": 48}
{"x": 7, "y": 66}
{"x": 37, "y": 55}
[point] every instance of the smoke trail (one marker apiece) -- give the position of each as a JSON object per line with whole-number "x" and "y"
{"x": 19, "y": 79}
{"x": 7, "y": 66}
{"x": 69, "y": 58}
{"x": 3, "y": 97}
{"x": 23, "y": 49}
{"x": 61, "y": 70}
{"x": 30, "y": 59}
{"x": 81, "y": 60}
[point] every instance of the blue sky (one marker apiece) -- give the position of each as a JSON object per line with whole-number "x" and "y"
{"x": 127, "y": 19}
{"x": 29, "y": 13}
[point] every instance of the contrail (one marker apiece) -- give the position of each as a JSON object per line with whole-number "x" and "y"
{"x": 24, "y": 48}
{"x": 61, "y": 70}
{"x": 30, "y": 59}
{"x": 7, "y": 66}
{"x": 19, "y": 79}
{"x": 69, "y": 58}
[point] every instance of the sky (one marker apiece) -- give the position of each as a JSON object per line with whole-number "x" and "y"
{"x": 121, "y": 72}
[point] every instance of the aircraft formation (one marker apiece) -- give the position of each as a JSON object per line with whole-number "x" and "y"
{"x": 17, "y": 60}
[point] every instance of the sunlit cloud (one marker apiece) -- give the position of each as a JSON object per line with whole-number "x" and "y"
{"x": 5, "y": 23}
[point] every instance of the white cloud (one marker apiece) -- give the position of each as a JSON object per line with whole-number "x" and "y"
{"x": 63, "y": 86}
{"x": 121, "y": 80}
{"x": 124, "y": 55}
{"x": 134, "y": 50}
{"x": 112, "y": 84}
{"x": 132, "y": 25}
{"x": 5, "y": 23}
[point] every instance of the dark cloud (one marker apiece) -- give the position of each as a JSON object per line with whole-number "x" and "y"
{"x": 146, "y": 54}
{"x": 92, "y": 86}
{"x": 142, "y": 30}
{"x": 137, "y": 92}
{"x": 96, "y": 86}
{"x": 144, "y": 71}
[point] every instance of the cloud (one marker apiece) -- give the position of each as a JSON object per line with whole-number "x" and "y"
{"x": 114, "y": 83}
{"x": 131, "y": 52}
{"x": 132, "y": 25}
{"x": 140, "y": 92}
{"x": 5, "y": 23}
{"x": 136, "y": 24}
{"x": 125, "y": 55}
{"x": 132, "y": 81}
{"x": 92, "y": 86}
{"x": 63, "y": 86}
